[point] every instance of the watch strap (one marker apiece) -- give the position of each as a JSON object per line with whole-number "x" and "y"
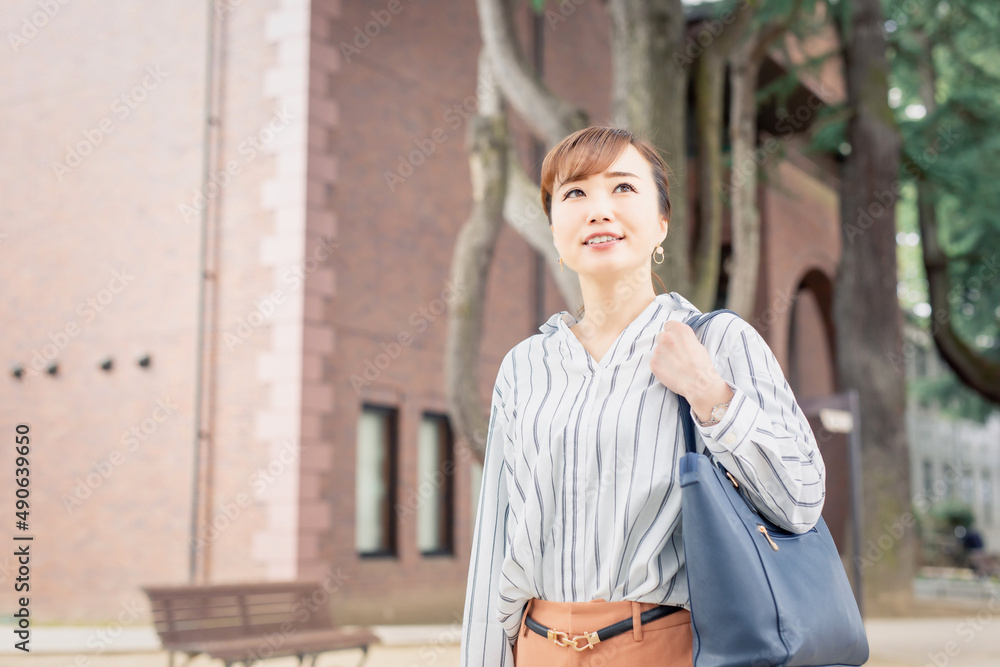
{"x": 713, "y": 420}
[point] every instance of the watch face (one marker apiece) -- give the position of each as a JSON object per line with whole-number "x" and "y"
{"x": 718, "y": 412}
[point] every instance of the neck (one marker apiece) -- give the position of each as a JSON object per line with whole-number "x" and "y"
{"x": 612, "y": 303}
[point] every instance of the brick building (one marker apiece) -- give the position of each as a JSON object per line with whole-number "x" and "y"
{"x": 130, "y": 234}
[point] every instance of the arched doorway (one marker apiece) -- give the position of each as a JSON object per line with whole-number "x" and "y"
{"x": 812, "y": 374}
{"x": 811, "y": 360}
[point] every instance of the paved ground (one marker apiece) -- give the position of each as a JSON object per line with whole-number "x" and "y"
{"x": 968, "y": 640}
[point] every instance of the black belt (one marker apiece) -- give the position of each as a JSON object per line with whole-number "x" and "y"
{"x": 563, "y": 639}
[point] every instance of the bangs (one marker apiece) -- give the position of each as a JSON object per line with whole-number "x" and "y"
{"x": 591, "y": 151}
{"x": 585, "y": 152}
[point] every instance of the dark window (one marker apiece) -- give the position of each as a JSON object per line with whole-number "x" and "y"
{"x": 435, "y": 486}
{"x": 375, "y": 481}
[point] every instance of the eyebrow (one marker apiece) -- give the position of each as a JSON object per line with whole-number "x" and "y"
{"x": 607, "y": 174}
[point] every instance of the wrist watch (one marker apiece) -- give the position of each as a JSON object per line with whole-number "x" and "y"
{"x": 718, "y": 412}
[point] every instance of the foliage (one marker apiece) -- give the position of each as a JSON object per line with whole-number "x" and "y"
{"x": 951, "y": 513}
{"x": 946, "y": 94}
{"x": 949, "y": 396}
{"x": 939, "y": 545}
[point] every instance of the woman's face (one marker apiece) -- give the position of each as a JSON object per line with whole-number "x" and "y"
{"x": 621, "y": 202}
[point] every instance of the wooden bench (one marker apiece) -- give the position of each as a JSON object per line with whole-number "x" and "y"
{"x": 249, "y": 622}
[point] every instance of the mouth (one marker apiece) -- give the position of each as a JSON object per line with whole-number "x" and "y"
{"x": 602, "y": 240}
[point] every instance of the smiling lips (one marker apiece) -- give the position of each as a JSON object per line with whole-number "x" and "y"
{"x": 602, "y": 240}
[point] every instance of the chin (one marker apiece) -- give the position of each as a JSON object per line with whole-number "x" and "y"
{"x": 610, "y": 268}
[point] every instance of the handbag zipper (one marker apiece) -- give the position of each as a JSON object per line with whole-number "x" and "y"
{"x": 763, "y": 531}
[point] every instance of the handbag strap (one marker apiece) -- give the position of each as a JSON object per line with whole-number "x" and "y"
{"x": 684, "y": 408}
{"x": 684, "y": 413}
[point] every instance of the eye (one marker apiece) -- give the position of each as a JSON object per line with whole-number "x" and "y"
{"x": 569, "y": 192}
{"x": 628, "y": 185}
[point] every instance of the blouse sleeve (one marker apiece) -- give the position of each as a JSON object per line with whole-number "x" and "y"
{"x": 484, "y": 640}
{"x": 764, "y": 439}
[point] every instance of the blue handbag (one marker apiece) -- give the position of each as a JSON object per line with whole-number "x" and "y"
{"x": 760, "y": 595}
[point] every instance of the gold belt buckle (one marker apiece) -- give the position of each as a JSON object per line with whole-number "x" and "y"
{"x": 560, "y": 638}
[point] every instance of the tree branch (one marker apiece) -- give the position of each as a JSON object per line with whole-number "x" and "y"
{"x": 488, "y": 149}
{"x": 549, "y": 117}
{"x": 980, "y": 373}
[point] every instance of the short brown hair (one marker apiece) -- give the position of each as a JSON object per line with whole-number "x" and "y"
{"x": 591, "y": 151}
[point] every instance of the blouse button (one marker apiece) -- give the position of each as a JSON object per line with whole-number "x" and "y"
{"x": 730, "y": 439}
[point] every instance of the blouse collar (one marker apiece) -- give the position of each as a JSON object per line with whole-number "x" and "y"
{"x": 673, "y": 301}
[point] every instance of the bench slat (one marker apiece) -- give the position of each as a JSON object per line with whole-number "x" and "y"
{"x": 195, "y": 590}
{"x": 239, "y": 621}
{"x": 314, "y": 642}
{"x": 234, "y": 610}
{"x": 229, "y": 599}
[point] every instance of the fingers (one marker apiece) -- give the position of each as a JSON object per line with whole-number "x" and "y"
{"x": 675, "y": 332}
{"x": 671, "y": 326}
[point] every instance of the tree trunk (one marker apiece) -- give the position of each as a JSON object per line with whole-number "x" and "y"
{"x": 744, "y": 266}
{"x": 745, "y": 60}
{"x": 488, "y": 150}
{"x": 549, "y": 118}
{"x": 649, "y": 97}
{"x": 867, "y": 315}
{"x": 710, "y": 84}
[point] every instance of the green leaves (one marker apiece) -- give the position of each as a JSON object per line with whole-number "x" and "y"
{"x": 945, "y": 64}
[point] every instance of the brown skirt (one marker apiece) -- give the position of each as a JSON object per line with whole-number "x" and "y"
{"x": 665, "y": 642}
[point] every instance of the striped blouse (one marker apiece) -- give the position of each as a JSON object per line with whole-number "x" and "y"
{"x": 580, "y": 495}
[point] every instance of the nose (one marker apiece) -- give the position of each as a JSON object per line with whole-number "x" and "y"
{"x": 600, "y": 208}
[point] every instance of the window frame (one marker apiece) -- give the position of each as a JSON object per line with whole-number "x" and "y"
{"x": 390, "y": 472}
{"x": 448, "y": 468}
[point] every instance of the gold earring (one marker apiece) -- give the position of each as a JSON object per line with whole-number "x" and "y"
{"x": 659, "y": 253}
{"x": 560, "y": 265}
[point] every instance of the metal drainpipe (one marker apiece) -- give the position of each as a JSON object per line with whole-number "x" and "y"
{"x": 204, "y": 400}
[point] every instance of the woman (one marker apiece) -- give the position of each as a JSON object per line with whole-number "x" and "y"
{"x": 578, "y": 523}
